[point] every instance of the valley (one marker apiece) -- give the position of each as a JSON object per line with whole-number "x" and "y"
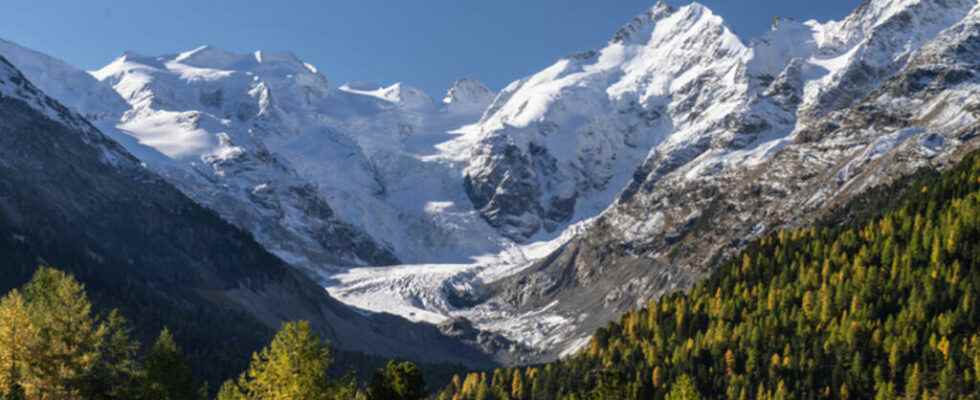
{"x": 486, "y": 228}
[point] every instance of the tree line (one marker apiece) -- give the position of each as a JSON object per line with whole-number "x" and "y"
{"x": 883, "y": 306}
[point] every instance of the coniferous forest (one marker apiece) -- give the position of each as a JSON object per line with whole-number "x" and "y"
{"x": 54, "y": 346}
{"x": 877, "y": 301}
{"x": 870, "y": 304}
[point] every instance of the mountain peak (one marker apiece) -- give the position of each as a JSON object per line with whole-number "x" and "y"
{"x": 406, "y": 96}
{"x": 647, "y": 22}
{"x": 642, "y": 21}
{"x": 909, "y": 17}
{"x": 468, "y": 95}
{"x": 75, "y": 88}
{"x": 208, "y": 57}
{"x": 212, "y": 57}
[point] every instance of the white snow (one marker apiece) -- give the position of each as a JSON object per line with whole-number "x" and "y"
{"x": 238, "y": 130}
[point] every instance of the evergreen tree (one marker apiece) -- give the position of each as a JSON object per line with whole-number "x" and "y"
{"x": 66, "y": 351}
{"x": 683, "y": 389}
{"x": 517, "y": 386}
{"x": 872, "y": 302}
{"x": 118, "y": 374}
{"x": 292, "y": 367}
{"x": 230, "y": 391}
{"x": 16, "y": 332}
{"x": 397, "y": 381}
{"x": 168, "y": 376}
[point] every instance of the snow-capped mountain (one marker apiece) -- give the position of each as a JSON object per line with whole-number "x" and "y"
{"x": 568, "y": 138}
{"x": 604, "y": 180}
{"x": 312, "y": 170}
{"x": 72, "y": 197}
{"x": 891, "y": 88}
{"x": 66, "y": 83}
{"x": 293, "y": 173}
{"x": 468, "y": 96}
{"x": 207, "y": 111}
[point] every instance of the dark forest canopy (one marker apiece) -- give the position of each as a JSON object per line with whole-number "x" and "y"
{"x": 53, "y": 345}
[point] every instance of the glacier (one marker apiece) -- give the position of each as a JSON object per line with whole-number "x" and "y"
{"x": 464, "y": 207}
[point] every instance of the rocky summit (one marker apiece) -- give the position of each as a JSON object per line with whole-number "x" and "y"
{"x": 506, "y": 227}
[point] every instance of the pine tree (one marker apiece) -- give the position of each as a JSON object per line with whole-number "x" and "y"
{"x": 683, "y": 389}
{"x": 517, "y": 388}
{"x": 66, "y": 352}
{"x": 230, "y": 391}
{"x": 16, "y": 332}
{"x": 292, "y": 367}
{"x": 168, "y": 376}
{"x": 913, "y": 383}
{"x": 118, "y": 374}
{"x": 398, "y": 381}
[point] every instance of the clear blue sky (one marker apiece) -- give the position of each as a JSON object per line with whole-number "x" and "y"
{"x": 425, "y": 43}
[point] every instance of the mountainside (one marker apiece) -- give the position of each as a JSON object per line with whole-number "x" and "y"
{"x": 209, "y": 121}
{"x": 672, "y": 86}
{"x": 569, "y": 137}
{"x": 541, "y": 213}
{"x": 323, "y": 176}
{"x": 208, "y": 156}
{"x": 798, "y": 144}
{"x": 74, "y": 198}
{"x": 289, "y": 172}
{"x": 876, "y": 301}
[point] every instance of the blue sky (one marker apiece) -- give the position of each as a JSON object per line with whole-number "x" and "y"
{"x": 427, "y": 43}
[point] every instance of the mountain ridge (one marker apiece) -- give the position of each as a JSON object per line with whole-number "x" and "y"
{"x": 575, "y": 193}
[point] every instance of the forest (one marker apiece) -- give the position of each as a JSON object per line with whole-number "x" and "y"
{"x": 54, "y": 346}
{"x": 878, "y": 301}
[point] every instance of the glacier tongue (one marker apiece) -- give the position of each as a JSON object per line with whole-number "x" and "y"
{"x": 490, "y": 202}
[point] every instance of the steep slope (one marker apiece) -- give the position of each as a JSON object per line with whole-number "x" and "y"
{"x": 207, "y": 155}
{"x": 406, "y": 192}
{"x": 901, "y": 99}
{"x": 672, "y": 85}
{"x": 208, "y": 122}
{"x": 66, "y": 83}
{"x": 563, "y": 142}
{"x": 71, "y": 197}
{"x": 652, "y": 157}
{"x": 420, "y": 208}
{"x": 325, "y": 177}
{"x": 880, "y": 306}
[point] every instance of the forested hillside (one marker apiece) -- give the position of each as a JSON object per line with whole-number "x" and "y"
{"x": 55, "y": 346}
{"x": 881, "y": 306}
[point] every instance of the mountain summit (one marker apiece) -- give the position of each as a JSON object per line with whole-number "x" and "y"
{"x": 609, "y": 178}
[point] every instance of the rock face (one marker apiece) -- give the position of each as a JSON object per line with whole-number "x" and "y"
{"x": 671, "y": 85}
{"x": 569, "y": 137}
{"x": 72, "y": 197}
{"x": 892, "y": 88}
{"x": 648, "y": 159}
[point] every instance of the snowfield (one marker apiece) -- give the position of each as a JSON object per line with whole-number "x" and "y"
{"x": 403, "y": 204}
